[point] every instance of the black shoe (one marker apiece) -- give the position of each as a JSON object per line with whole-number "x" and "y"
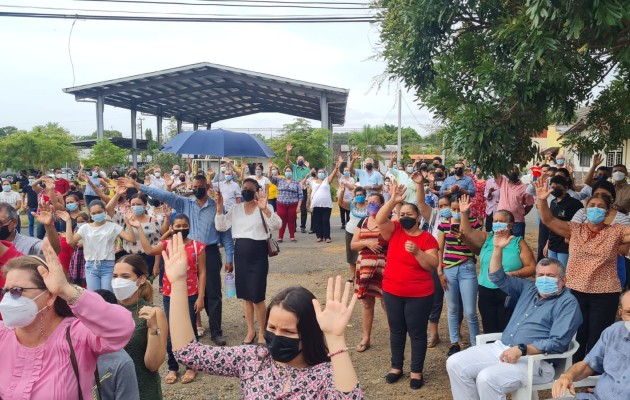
{"x": 343, "y": 227}
{"x": 219, "y": 340}
{"x": 392, "y": 377}
{"x": 416, "y": 383}
{"x": 303, "y": 230}
{"x": 453, "y": 349}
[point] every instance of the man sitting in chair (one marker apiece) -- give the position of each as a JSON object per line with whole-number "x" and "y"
{"x": 610, "y": 357}
{"x": 544, "y": 321}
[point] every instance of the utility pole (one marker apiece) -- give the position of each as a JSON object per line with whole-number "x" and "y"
{"x": 140, "y": 119}
{"x": 399, "y": 153}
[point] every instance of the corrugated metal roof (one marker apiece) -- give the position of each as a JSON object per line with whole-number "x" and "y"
{"x": 206, "y": 93}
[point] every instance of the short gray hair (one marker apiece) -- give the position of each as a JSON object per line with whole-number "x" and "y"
{"x": 552, "y": 261}
{"x": 10, "y": 210}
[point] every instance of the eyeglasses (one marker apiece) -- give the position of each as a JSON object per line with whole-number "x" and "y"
{"x": 16, "y": 292}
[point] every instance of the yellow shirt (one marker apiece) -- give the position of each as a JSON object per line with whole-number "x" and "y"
{"x": 273, "y": 189}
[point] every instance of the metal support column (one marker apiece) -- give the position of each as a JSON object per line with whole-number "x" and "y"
{"x": 179, "y": 125}
{"x": 325, "y": 120}
{"x": 195, "y": 125}
{"x": 134, "y": 151}
{"x": 100, "y": 109}
{"x": 159, "y": 129}
{"x": 209, "y": 125}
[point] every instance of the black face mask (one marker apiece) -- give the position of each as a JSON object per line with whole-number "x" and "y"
{"x": 369, "y": 167}
{"x": 557, "y": 193}
{"x": 301, "y": 163}
{"x": 408, "y": 222}
{"x": 4, "y": 232}
{"x": 184, "y": 232}
{"x": 282, "y": 349}
{"x": 73, "y": 188}
{"x": 248, "y": 195}
{"x": 200, "y": 192}
{"x": 114, "y": 176}
{"x": 439, "y": 175}
{"x": 133, "y": 175}
{"x": 182, "y": 178}
{"x": 514, "y": 176}
{"x": 459, "y": 171}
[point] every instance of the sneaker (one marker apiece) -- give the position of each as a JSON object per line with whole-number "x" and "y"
{"x": 453, "y": 349}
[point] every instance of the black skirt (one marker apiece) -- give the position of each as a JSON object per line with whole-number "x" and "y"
{"x": 251, "y": 266}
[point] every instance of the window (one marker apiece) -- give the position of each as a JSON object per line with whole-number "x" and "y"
{"x": 614, "y": 157}
{"x": 585, "y": 160}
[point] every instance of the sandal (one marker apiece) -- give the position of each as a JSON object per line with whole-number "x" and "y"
{"x": 318, "y": 240}
{"x": 187, "y": 378}
{"x": 328, "y": 240}
{"x": 361, "y": 347}
{"x": 171, "y": 378}
{"x": 433, "y": 341}
{"x": 200, "y": 331}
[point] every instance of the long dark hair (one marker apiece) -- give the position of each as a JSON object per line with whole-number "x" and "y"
{"x": 29, "y": 264}
{"x": 299, "y": 301}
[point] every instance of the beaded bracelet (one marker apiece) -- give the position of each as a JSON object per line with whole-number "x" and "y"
{"x": 334, "y": 353}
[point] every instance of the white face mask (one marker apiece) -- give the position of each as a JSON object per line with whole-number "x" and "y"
{"x": 175, "y": 172}
{"x": 20, "y": 312}
{"x": 123, "y": 288}
{"x": 157, "y": 174}
{"x": 618, "y": 176}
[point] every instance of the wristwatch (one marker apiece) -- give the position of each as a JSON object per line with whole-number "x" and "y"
{"x": 523, "y": 348}
{"x": 154, "y": 332}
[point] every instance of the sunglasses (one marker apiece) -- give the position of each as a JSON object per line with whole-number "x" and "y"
{"x": 16, "y": 292}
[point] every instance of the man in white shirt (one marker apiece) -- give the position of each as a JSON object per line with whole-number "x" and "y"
{"x": 156, "y": 179}
{"x": 230, "y": 190}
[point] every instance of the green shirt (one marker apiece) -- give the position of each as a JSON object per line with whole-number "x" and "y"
{"x": 149, "y": 383}
{"x": 300, "y": 173}
{"x": 511, "y": 259}
{"x": 403, "y": 178}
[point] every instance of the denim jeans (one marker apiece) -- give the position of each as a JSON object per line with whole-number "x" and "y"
{"x": 562, "y": 257}
{"x": 98, "y": 274}
{"x": 173, "y": 365}
{"x": 31, "y": 221}
{"x": 462, "y": 283}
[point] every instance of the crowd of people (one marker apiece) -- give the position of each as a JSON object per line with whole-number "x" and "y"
{"x": 77, "y": 291}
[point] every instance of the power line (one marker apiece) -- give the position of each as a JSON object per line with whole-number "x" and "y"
{"x": 147, "y": 13}
{"x": 245, "y": 3}
{"x": 310, "y": 19}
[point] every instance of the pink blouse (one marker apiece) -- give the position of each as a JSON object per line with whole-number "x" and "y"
{"x": 45, "y": 372}
{"x": 261, "y": 378}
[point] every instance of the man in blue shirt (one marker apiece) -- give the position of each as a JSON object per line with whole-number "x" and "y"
{"x": 370, "y": 179}
{"x": 545, "y": 319}
{"x": 201, "y": 211}
{"x": 610, "y": 358}
{"x": 459, "y": 183}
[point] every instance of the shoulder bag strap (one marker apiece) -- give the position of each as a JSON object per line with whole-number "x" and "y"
{"x": 264, "y": 222}
{"x": 73, "y": 360}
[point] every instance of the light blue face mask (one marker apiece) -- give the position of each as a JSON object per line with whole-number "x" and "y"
{"x": 499, "y": 226}
{"x": 446, "y": 213}
{"x": 98, "y": 218}
{"x": 94, "y": 174}
{"x": 456, "y": 216}
{"x": 228, "y": 177}
{"x": 360, "y": 199}
{"x": 6, "y": 188}
{"x": 595, "y": 215}
{"x": 547, "y": 285}
{"x": 72, "y": 206}
{"x": 346, "y": 173}
{"x": 288, "y": 174}
{"x": 321, "y": 175}
{"x": 409, "y": 170}
{"x": 30, "y": 181}
{"x": 138, "y": 210}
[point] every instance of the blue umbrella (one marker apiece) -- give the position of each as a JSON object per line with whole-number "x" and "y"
{"x": 218, "y": 143}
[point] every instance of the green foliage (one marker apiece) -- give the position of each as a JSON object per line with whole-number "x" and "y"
{"x": 309, "y": 142}
{"x": 107, "y": 133}
{"x": 148, "y": 134}
{"x": 497, "y": 72}
{"x": 370, "y": 141}
{"x": 7, "y": 130}
{"x": 167, "y": 160}
{"x": 107, "y": 155}
{"x": 45, "y": 146}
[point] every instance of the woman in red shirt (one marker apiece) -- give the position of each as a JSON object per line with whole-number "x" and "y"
{"x": 196, "y": 283}
{"x": 407, "y": 284}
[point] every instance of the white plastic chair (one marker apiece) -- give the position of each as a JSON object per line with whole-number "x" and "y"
{"x": 562, "y": 362}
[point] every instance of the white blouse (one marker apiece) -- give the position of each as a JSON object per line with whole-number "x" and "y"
{"x": 320, "y": 194}
{"x": 246, "y": 226}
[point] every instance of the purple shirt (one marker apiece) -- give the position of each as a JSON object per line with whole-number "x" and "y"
{"x": 492, "y": 200}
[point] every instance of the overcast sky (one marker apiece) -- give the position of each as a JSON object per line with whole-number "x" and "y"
{"x": 36, "y": 65}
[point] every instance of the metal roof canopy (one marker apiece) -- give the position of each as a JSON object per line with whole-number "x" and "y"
{"x": 124, "y": 143}
{"x": 205, "y": 93}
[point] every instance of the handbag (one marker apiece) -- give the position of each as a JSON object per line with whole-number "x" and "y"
{"x": 272, "y": 246}
{"x": 75, "y": 368}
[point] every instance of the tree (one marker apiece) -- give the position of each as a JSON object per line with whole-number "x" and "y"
{"x": 148, "y": 134}
{"x": 498, "y": 72}
{"x": 7, "y": 130}
{"x": 107, "y": 133}
{"x": 45, "y": 146}
{"x": 307, "y": 141}
{"x": 369, "y": 141}
{"x": 107, "y": 155}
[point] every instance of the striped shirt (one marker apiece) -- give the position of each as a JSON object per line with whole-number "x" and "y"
{"x": 289, "y": 191}
{"x": 201, "y": 217}
{"x": 455, "y": 252}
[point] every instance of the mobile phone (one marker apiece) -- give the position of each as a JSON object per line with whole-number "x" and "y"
{"x": 454, "y": 227}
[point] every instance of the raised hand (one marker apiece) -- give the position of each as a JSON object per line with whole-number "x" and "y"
{"x": 308, "y": 164}
{"x": 334, "y": 318}
{"x": 262, "y": 200}
{"x": 269, "y": 165}
{"x": 45, "y": 216}
{"x": 127, "y": 182}
{"x": 502, "y": 238}
{"x": 355, "y": 155}
{"x": 398, "y": 196}
{"x": 176, "y": 265}
{"x": 50, "y": 183}
{"x": 289, "y": 147}
{"x": 120, "y": 189}
{"x": 149, "y": 314}
{"x": 464, "y": 203}
{"x": 54, "y": 276}
{"x": 597, "y": 159}
{"x": 132, "y": 221}
{"x": 417, "y": 178}
{"x": 393, "y": 155}
{"x": 340, "y": 160}
{"x": 542, "y": 189}
{"x": 168, "y": 180}
{"x": 63, "y": 215}
{"x": 188, "y": 160}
